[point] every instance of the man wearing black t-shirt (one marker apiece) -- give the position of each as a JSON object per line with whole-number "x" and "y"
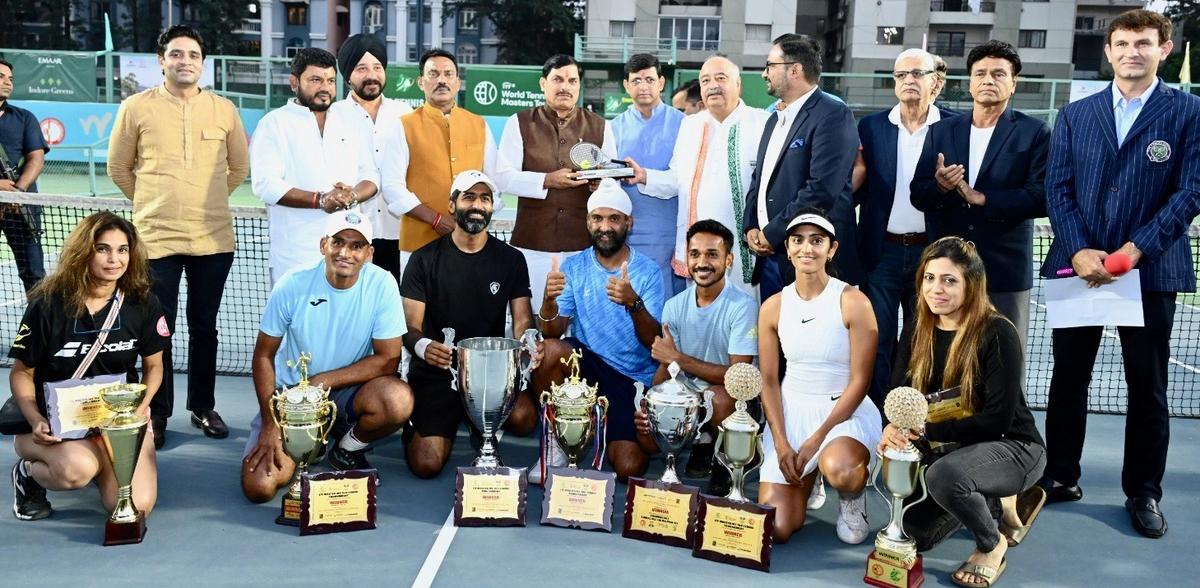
{"x": 466, "y": 280}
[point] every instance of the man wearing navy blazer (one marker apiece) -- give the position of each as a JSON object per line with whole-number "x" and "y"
{"x": 891, "y": 232}
{"x": 804, "y": 160}
{"x": 981, "y": 176}
{"x": 1124, "y": 175}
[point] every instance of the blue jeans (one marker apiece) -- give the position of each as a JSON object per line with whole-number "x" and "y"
{"x": 892, "y": 284}
{"x": 26, "y": 245}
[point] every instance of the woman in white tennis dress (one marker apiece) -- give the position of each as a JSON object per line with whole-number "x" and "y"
{"x": 818, "y": 420}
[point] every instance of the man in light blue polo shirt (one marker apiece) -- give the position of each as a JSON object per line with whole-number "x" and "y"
{"x": 611, "y": 297}
{"x": 348, "y": 316}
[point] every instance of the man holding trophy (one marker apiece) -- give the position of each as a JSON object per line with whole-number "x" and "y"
{"x": 611, "y": 296}
{"x": 346, "y": 315}
{"x": 466, "y": 265}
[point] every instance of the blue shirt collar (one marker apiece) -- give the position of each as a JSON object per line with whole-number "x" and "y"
{"x": 1119, "y": 100}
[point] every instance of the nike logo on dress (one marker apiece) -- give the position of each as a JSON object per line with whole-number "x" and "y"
{"x": 802, "y": 321}
{"x": 317, "y": 302}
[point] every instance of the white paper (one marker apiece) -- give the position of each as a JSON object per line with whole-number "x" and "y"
{"x": 1070, "y": 303}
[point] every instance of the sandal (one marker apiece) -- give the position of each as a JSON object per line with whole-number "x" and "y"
{"x": 1029, "y": 506}
{"x": 989, "y": 575}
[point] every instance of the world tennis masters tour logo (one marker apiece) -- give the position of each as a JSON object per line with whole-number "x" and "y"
{"x": 509, "y": 94}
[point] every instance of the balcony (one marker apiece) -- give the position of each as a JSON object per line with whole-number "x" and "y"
{"x": 249, "y": 27}
{"x": 948, "y": 49}
{"x": 962, "y": 13}
{"x": 961, "y": 6}
{"x": 593, "y": 49}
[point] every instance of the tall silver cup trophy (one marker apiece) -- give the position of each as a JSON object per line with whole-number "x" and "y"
{"x": 673, "y": 408}
{"x": 305, "y": 416}
{"x": 895, "y": 561}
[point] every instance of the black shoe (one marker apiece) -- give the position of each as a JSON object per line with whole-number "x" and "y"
{"x": 343, "y": 460}
{"x": 29, "y": 497}
{"x": 699, "y": 465}
{"x": 1059, "y": 493}
{"x": 159, "y": 426}
{"x": 1146, "y": 517}
{"x": 719, "y": 482}
{"x": 211, "y": 423}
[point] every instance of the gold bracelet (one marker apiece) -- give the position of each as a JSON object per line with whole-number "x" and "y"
{"x": 546, "y": 320}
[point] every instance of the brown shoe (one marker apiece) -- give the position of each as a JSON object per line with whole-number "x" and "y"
{"x": 211, "y": 423}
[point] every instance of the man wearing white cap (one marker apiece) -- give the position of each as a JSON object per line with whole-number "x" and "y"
{"x": 612, "y": 298}
{"x": 466, "y": 281}
{"x": 346, "y": 314}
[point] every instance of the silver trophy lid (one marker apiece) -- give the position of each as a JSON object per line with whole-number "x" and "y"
{"x": 676, "y": 390}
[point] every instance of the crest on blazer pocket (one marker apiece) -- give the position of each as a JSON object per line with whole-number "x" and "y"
{"x": 797, "y": 144}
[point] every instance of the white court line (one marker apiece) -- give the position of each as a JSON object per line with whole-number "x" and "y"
{"x": 437, "y": 553}
{"x": 1108, "y": 333}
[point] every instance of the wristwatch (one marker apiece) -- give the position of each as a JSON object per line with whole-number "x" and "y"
{"x": 637, "y": 306}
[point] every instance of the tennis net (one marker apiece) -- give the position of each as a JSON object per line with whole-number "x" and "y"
{"x": 248, "y": 286}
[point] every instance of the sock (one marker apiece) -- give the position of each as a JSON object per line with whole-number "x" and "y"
{"x": 351, "y": 443}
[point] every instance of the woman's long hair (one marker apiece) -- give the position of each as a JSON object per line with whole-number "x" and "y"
{"x": 962, "y": 362}
{"x": 72, "y": 280}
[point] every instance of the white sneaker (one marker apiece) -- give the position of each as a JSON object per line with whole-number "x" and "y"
{"x": 558, "y": 459}
{"x": 816, "y": 498}
{"x": 852, "y": 526}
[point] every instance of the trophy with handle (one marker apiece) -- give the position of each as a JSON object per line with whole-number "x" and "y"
{"x": 304, "y": 415}
{"x": 123, "y": 435}
{"x": 487, "y": 381}
{"x": 594, "y": 164}
{"x": 571, "y": 412}
{"x": 739, "y": 437}
{"x": 895, "y": 562}
{"x": 673, "y": 409}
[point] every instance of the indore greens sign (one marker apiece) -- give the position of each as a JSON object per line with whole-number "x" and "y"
{"x": 502, "y": 91}
{"x": 61, "y": 77}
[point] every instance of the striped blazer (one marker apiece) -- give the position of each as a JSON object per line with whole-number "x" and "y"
{"x": 1100, "y": 196}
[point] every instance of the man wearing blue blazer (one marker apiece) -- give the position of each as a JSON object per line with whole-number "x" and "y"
{"x": 804, "y": 160}
{"x": 1124, "y": 175}
{"x": 981, "y": 177}
{"x": 891, "y": 232}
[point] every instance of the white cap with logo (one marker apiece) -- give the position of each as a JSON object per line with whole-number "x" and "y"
{"x": 812, "y": 219}
{"x": 349, "y": 219}
{"x": 464, "y": 180}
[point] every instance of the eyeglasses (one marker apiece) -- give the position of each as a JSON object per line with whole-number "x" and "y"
{"x": 636, "y": 82}
{"x": 434, "y": 74}
{"x": 915, "y": 73}
{"x": 769, "y": 63}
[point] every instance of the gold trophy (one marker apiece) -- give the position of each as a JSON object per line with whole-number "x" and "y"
{"x": 304, "y": 415}
{"x": 738, "y": 437}
{"x": 571, "y": 408}
{"x": 895, "y": 563}
{"x": 123, "y": 435}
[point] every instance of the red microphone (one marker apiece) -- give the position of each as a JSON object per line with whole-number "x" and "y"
{"x": 1117, "y": 264}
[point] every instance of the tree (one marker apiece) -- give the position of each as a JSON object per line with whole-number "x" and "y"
{"x": 1186, "y": 16}
{"x": 216, "y": 20}
{"x": 530, "y": 30}
{"x": 55, "y": 13}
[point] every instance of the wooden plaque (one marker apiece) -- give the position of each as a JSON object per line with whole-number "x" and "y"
{"x": 660, "y": 512}
{"x": 738, "y": 533}
{"x": 333, "y": 502}
{"x": 887, "y": 572}
{"x": 579, "y": 498}
{"x": 490, "y": 497}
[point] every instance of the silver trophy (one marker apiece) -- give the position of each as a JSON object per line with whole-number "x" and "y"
{"x": 673, "y": 408}
{"x": 490, "y": 375}
{"x": 594, "y": 164}
{"x": 902, "y": 472}
{"x": 739, "y": 437}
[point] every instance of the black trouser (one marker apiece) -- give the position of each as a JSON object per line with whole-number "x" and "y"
{"x": 1146, "y": 351}
{"x": 25, "y": 243}
{"x": 387, "y": 256}
{"x": 206, "y": 276}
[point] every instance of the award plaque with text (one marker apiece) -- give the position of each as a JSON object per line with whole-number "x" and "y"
{"x": 490, "y": 497}
{"x": 332, "y": 502}
{"x": 661, "y": 512}
{"x": 735, "y": 532}
{"x": 579, "y": 498}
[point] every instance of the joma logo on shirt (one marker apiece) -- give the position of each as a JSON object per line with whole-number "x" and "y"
{"x": 76, "y": 348}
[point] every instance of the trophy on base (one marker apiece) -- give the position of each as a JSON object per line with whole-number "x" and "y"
{"x": 304, "y": 415}
{"x": 673, "y": 408}
{"x": 574, "y": 413}
{"x": 732, "y": 529}
{"x": 594, "y": 164}
{"x": 123, "y": 435}
{"x": 895, "y": 563}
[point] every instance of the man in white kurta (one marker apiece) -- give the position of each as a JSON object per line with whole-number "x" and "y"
{"x": 710, "y": 169}
{"x": 307, "y": 161}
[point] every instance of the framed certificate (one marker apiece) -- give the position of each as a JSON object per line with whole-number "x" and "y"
{"x": 490, "y": 497}
{"x": 660, "y": 512}
{"x": 74, "y": 408}
{"x": 738, "y": 533}
{"x": 333, "y": 502}
{"x": 579, "y": 498}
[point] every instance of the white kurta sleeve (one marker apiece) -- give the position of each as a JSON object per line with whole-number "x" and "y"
{"x": 267, "y": 162}
{"x": 394, "y": 175}
{"x": 510, "y": 158}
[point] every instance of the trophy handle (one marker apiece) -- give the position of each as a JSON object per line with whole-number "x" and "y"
{"x": 603, "y": 402}
{"x": 329, "y": 422}
{"x": 638, "y": 396}
{"x": 708, "y": 408}
{"x": 924, "y": 489}
{"x": 530, "y": 338}
{"x": 761, "y": 454}
{"x": 275, "y": 400}
{"x": 448, "y": 333}
{"x": 717, "y": 453}
{"x": 873, "y": 477}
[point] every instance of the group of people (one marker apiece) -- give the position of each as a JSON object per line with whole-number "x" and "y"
{"x": 793, "y": 237}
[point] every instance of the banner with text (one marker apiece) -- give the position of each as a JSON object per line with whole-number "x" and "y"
{"x": 503, "y": 91}
{"x": 63, "y": 78}
{"x": 402, "y": 85}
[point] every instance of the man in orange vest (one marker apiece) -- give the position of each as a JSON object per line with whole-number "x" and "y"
{"x": 443, "y": 140}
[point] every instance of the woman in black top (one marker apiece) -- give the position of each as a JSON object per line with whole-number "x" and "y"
{"x": 66, "y": 314}
{"x": 959, "y": 339}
